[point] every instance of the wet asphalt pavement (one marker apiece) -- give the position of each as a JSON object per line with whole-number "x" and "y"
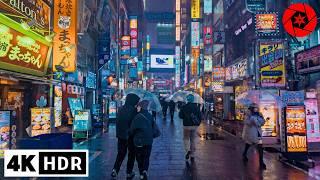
{"x": 219, "y": 158}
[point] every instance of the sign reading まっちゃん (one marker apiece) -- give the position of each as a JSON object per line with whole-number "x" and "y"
{"x": 21, "y": 50}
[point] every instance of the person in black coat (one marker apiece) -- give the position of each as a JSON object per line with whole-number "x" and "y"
{"x": 142, "y": 132}
{"x": 172, "y": 107}
{"x": 164, "y": 105}
{"x": 125, "y": 141}
{"x": 191, "y": 116}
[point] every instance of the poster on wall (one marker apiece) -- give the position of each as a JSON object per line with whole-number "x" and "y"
{"x": 65, "y": 42}
{"x": 57, "y": 106}
{"x": 112, "y": 109}
{"x": 195, "y": 34}
{"x": 81, "y": 123}
{"x": 74, "y": 104}
{"x": 240, "y": 109}
{"x": 207, "y": 35}
{"x": 5, "y": 117}
{"x": 218, "y": 73}
{"x": 292, "y": 98}
{"x": 296, "y": 129}
{"x": 312, "y": 121}
{"x": 207, "y": 63}
{"x": 207, "y": 6}
{"x": 162, "y": 61}
{"x": 272, "y": 67}
{"x": 40, "y": 121}
{"x": 267, "y": 24}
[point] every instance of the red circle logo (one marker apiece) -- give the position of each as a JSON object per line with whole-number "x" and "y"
{"x": 299, "y": 20}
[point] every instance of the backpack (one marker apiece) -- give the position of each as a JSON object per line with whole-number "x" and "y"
{"x": 195, "y": 119}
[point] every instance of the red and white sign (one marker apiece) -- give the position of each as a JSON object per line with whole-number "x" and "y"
{"x": 134, "y": 33}
{"x": 207, "y": 35}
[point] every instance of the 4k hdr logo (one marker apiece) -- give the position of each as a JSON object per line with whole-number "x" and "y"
{"x": 299, "y": 20}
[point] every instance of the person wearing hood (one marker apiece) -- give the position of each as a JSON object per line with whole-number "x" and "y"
{"x": 191, "y": 116}
{"x": 142, "y": 131}
{"x": 252, "y": 133}
{"x": 125, "y": 141}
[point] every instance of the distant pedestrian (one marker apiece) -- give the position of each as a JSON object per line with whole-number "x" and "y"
{"x": 164, "y": 108}
{"x": 172, "y": 107}
{"x": 252, "y": 133}
{"x": 142, "y": 131}
{"x": 125, "y": 141}
{"x": 154, "y": 115}
{"x": 191, "y": 115}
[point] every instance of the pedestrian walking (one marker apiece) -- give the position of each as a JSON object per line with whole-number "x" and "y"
{"x": 172, "y": 107}
{"x": 154, "y": 115}
{"x": 142, "y": 131}
{"x": 252, "y": 133}
{"x": 164, "y": 109}
{"x": 191, "y": 116}
{"x": 125, "y": 141}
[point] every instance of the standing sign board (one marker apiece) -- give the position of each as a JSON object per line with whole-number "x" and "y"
{"x": 81, "y": 124}
{"x": 312, "y": 122}
{"x": 5, "y": 140}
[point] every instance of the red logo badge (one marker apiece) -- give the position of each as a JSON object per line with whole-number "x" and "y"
{"x": 299, "y": 20}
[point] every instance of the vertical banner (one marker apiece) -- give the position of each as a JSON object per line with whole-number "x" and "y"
{"x": 272, "y": 67}
{"x": 207, "y": 6}
{"x": 195, "y": 34}
{"x": 65, "y": 42}
{"x": 207, "y": 31}
{"x": 178, "y": 66}
{"x": 195, "y": 9}
{"x": 178, "y": 22}
{"x": 207, "y": 63}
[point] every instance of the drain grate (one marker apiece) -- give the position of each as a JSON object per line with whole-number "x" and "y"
{"x": 211, "y": 136}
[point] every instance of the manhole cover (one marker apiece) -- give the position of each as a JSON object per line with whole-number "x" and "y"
{"x": 211, "y": 136}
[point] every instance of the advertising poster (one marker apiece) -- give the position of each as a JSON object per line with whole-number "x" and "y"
{"x": 81, "y": 120}
{"x": 269, "y": 111}
{"x": 266, "y": 24}
{"x": 292, "y": 98}
{"x": 256, "y": 5}
{"x": 308, "y": 60}
{"x": 217, "y": 86}
{"x": 162, "y": 61}
{"x": 207, "y": 80}
{"x": 312, "y": 120}
{"x": 112, "y": 109}
{"x": 207, "y": 63}
{"x": 296, "y": 129}
{"x": 207, "y": 35}
{"x": 65, "y": 42}
{"x": 4, "y": 131}
{"x": 207, "y": 6}
{"x": 195, "y": 34}
{"x": 218, "y": 73}
{"x": 40, "y": 121}
{"x": 74, "y": 104}
{"x": 272, "y": 67}
{"x": 14, "y": 49}
{"x": 91, "y": 80}
{"x": 195, "y": 9}
{"x": 57, "y": 106}
{"x": 239, "y": 107}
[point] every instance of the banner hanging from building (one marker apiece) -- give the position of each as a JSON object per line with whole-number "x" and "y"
{"x": 207, "y": 35}
{"x": 195, "y": 9}
{"x": 178, "y": 61}
{"x": 195, "y": 34}
{"x": 65, "y": 40}
{"x": 207, "y": 6}
{"x": 272, "y": 67}
{"x": 207, "y": 63}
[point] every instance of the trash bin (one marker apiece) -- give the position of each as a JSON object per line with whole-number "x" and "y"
{"x": 46, "y": 141}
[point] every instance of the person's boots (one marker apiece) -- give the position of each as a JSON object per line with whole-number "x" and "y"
{"x": 114, "y": 174}
{"x": 244, "y": 154}
{"x": 263, "y": 166}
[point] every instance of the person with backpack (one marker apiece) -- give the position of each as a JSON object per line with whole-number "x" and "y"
{"x": 142, "y": 131}
{"x": 191, "y": 116}
{"x": 125, "y": 141}
{"x": 252, "y": 133}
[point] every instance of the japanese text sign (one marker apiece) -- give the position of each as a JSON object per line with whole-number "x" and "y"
{"x": 195, "y": 9}
{"x": 266, "y": 24}
{"x": 65, "y": 40}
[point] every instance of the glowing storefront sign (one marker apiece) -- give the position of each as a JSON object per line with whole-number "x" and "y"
{"x": 178, "y": 61}
{"x": 195, "y": 9}
{"x": 266, "y": 24}
{"x": 65, "y": 41}
{"x": 36, "y": 12}
{"x": 207, "y": 6}
{"x": 22, "y": 51}
{"x": 195, "y": 34}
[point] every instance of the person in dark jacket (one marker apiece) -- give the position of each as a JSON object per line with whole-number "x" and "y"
{"x": 141, "y": 130}
{"x": 125, "y": 142}
{"x": 172, "y": 107}
{"x": 191, "y": 116}
{"x": 164, "y": 105}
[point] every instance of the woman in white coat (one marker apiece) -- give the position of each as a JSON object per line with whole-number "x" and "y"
{"x": 252, "y": 133}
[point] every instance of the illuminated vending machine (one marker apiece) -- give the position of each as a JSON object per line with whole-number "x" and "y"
{"x": 294, "y": 132}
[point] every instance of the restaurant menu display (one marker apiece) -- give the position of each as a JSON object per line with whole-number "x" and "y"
{"x": 75, "y": 104}
{"x": 40, "y": 121}
{"x": 81, "y": 120}
{"x": 239, "y": 107}
{"x": 312, "y": 120}
{"x": 4, "y": 131}
{"x": 112, "y": 109}
{"x": 296, "y": 129}
{"x": 269, "y": 112}
{"x": 57, "y": 106}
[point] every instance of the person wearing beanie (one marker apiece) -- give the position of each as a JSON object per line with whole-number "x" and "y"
{"x": 125, "y": 141}
{"x": 141, "y": 130}
{"x": 191, "y": 116}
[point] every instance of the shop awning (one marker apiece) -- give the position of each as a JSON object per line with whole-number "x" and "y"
{"x": 14, "y": 76}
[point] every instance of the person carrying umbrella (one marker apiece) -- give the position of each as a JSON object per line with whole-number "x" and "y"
{"x": 125, "y": 142}
{"x": 164, "y": 105}
{"x": 191, "y": 116}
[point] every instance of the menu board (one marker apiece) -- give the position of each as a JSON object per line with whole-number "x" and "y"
{"x": 296, "y": 129}
{"x": 81, "y": 120}
{"x": 269, "y": 112}
{"x": 312, "y": 120}
{"x": 4, "y": 131}
{"x": 40, "y": 121}
{"x": 112, "y": 109}
{"x": 74, "y": 104}
{"x": 57, "y": 106}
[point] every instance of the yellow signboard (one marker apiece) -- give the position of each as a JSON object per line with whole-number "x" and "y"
{"x": 65, "y": 41}
{"x": 195, "y": 9}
